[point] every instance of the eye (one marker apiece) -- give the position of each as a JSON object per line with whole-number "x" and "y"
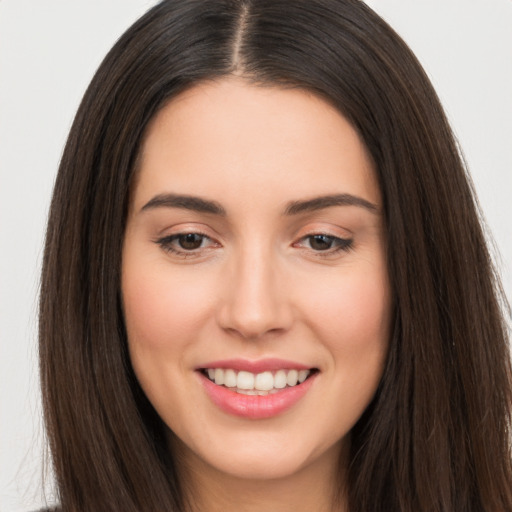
{"x": 186, "y": 244}
{"x": 320, "y": 242}
{"x": 190, "y": 241}
{"x": 323, "y": 243}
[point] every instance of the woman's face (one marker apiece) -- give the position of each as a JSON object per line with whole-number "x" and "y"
{"x": 254, "y": 258}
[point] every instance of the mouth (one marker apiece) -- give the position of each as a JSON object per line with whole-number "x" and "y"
{"x": 256, "y": 390}
{"x": 257, "y": 384}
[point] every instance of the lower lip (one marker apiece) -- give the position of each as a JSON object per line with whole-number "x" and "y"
{"x": 255, "y": 406}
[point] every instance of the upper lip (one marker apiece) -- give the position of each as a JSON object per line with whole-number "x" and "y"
{"x": 255, "y": 366}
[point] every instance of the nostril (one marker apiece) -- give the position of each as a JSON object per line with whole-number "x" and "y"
{"x": 253, "y": 304}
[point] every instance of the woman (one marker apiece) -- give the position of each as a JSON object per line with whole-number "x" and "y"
{"x": 265, "y": 282}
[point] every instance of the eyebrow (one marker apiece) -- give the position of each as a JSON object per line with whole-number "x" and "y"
{"x": 319, "y": 203}
{"x": 185, "y": 202}
{"x": 201, "y": 205}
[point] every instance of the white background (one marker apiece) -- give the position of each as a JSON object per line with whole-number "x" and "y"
{"x": 49, "y": 50}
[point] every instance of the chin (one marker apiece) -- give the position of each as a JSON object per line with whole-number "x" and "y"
{"x": 265, "y": 457}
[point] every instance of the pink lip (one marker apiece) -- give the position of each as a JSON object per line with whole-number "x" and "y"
{"x": 263, "y": 365}
{"x": 254, "y": 406}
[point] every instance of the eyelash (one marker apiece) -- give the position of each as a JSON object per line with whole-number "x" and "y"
{"x": 340, "y": 244}
{"x": 166, "y": 243}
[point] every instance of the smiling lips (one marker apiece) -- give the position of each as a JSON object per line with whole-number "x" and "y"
{"x": 241, "y": 388}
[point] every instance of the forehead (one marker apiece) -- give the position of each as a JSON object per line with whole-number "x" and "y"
{"x": 229, "y": 136}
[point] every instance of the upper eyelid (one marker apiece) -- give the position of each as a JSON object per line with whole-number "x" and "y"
{"x": 175, "y": 236}
{"x": 324, "y": 232}
{"x": 334, "y": 237}
{"x": 322, "y": 227}
{"x": 296, "y": 238}
{"x": 185, "y": 228}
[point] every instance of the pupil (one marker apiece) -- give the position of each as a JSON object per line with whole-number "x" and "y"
{"x": 321, "y": 242}
{"x": 190, "y": 241}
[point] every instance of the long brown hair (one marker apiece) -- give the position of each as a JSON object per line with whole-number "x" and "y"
{"x": 436, "y": 436}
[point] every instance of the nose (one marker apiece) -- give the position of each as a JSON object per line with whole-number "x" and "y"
{"x": 254, "y": 300}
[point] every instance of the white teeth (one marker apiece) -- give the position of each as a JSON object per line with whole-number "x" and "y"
{"x": 280, "y": 379}
{"x": 219, "y": 376}
{"x": 244, "y": 380}
{"x": 263, "y": 383}
{"x": 303, "y": 375}
{"x": 291, "y": 378}
{"x": 230, "y": 379}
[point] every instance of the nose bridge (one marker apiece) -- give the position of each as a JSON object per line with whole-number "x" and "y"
{"x": 255, "y": 302}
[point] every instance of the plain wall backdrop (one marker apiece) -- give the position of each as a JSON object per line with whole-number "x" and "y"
{"x": 49, "y": 50}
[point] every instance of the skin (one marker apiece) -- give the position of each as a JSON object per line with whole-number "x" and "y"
{"x": 257, "y": 286}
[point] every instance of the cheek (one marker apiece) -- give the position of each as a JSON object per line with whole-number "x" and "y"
{"x": 354, "y": 314}
{"x": 165, "y": 312}
{"x": 357, "y": 320}
{"x": 161, "y": 305}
